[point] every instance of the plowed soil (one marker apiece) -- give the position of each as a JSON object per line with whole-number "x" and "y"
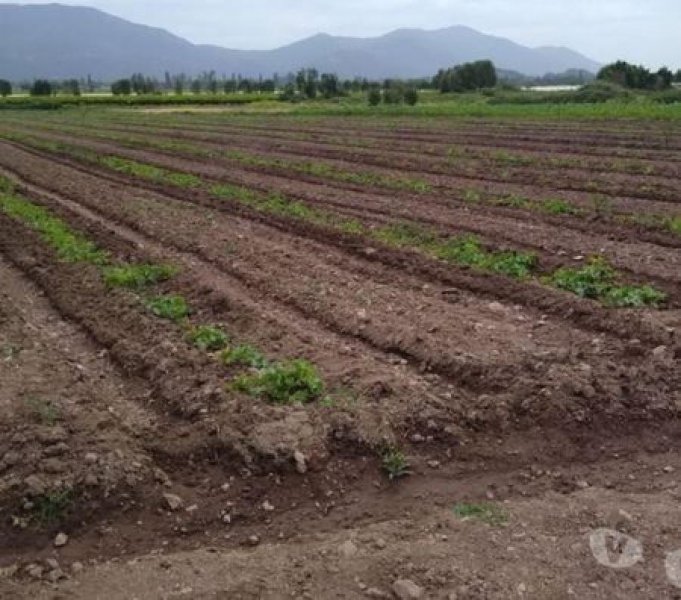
{"x": 558, "y": 411}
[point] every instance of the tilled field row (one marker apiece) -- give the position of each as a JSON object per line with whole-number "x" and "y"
{"x": 599, "y": 144}
{"x": 638, "y": 258}
{"x": 426, "y": 167}
{"x": 652, "y": 220}
{"x": 368, "y": 324}
{"x": 506, "y": 151}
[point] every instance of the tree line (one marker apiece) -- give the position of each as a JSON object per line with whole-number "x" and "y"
{"x": 308, "y": 84}
{"x": 637, "y": 77}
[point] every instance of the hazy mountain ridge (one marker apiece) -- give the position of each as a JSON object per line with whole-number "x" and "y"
{"x": 57, "y": 41}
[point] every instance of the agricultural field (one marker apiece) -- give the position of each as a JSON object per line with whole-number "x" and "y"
{"x": 261, "y": 355}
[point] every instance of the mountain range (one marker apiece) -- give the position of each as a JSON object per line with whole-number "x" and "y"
{"x": 59, "y": 42}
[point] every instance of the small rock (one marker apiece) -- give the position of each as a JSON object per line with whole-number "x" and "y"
{"x": 35, "y": 571}
{"x": 434, "y": 464}
{"x": 35, "y": 485}
{"x": 162, "y": 477}
{"x": 582, "y": 484}
{"x": 668, "y": 469}
{"x": 56, "y": 575}
{"x": 7, "y": 572}
{"x": 348, "y": 549}
{"x": 406, "y": 589}
{"x": 61, "y": 540}
{"x": 659, "y": 351}
{"x": 376, "y": 593}
{"x": 173, "y": 501}
{"x": 267, "y": 506}
{"x": 380, "y": 543}
{"x": 301, "y": 462}
{"x": 91, "y": 458}
{"x": 77, "y": 567}
{"x": 53, "y": 466}
{"x": 417, "y": 438}
{"x": 496, "y": 307}
{"x": 52, "y": 563}
{"x": 253, "y": 540}
{"x": 363, "y": 316}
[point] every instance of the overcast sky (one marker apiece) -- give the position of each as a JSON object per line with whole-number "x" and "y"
{"x": 647, "y": 31}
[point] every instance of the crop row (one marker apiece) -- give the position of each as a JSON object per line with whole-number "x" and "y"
{"x": 465, "y": 251}
{"x": 601, "y": 205}
{"x": 280, "y": 382}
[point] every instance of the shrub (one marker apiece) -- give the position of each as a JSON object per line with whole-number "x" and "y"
{"x": 411, "y": 96}
{"x": 41, "y": 87}
{"x": 374, "y": 97}
{"x": 292, "y": 382}
{"x": 174, "y": 308}
{"x": 5, "y": 88}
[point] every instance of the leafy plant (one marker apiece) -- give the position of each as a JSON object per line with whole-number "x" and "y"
{"x": 174, "y": 308}
{"x": 209, "y": 338}
{"x": 292, "y": 382}
{"x": 633, "y": 296}
{"x": 244, "y": 355}
{"x": 51, "y": 508}
{"x": 70, "y": 246}
{"x": 598, "y": 280}
{"x": 558, "y": 207}
{"x": 486, "y": 512}
{"x": 44, "y": 411}
{"x": 137, "y": 276}
{"x": 395, "y": 463}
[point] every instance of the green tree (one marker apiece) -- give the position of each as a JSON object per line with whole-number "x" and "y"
{"x": 122, "y": 87}
{"x": 71, "y": 86}
{"x": 411, "y": 96}
{"x": 374, "y": 97}
{"x": 307, "y": 82}
{"x": 329, "y": 86}
{"x": 41, "y": 87}
{"x": 635, "y": 76}
{"x": 5, "y": 88}
{"x": 466, "y": 77}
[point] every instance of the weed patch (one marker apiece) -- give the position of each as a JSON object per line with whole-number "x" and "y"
{"x": 137, "y": 276}
{"x": 245, "y": 356}
{"x": 43, "y": 411}
{"x": 51, "y": 508}
{"x": 70, "y": 246}
{"x": 208, "y": 338}
{"x": 174, "y": 308}
{"x": 394, "y": 463}
{"x": 598, "y": 280}
{"x": 292, "y": 382}
{"x": 484, "y": 511}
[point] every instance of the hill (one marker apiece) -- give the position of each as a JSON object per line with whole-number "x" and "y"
{"x": 57, "y": 41}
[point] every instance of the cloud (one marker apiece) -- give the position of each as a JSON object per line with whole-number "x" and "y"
{"x": 603, "y": 29}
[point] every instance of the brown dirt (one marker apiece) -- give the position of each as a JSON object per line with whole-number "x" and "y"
{"x": 563, "y": 412}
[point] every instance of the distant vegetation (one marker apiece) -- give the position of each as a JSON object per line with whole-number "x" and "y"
{"x": 637, "y": 77}
{"x": 467, "y": 77}
{"x": 478, "y": 81}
